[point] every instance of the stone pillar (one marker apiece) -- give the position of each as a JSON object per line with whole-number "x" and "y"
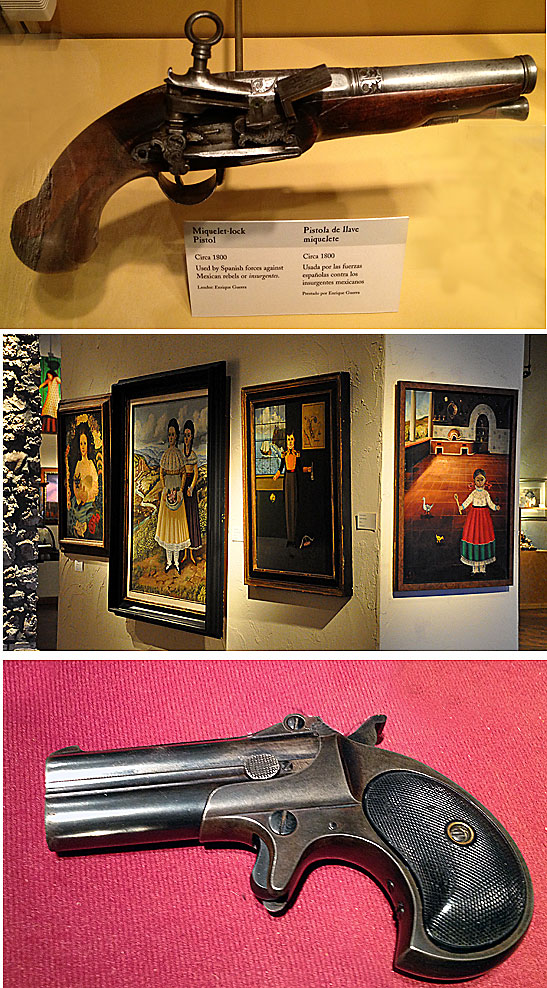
{"x": 22, "y": 439}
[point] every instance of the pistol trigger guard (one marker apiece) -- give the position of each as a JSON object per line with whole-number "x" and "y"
{"x": 190, "y": 195}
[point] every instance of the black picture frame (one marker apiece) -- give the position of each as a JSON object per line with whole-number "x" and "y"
{"x": 189, "y": 591}
{"x": 297, "y": 529}
{"x": 84, "y": 522}
{"x": 447, "y": 535}
{"x": 49, "y": 484}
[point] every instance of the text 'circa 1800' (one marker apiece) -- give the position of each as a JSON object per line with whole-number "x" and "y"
{"x": 323, "y": 267}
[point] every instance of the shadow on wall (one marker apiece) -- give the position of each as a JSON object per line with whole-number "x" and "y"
{"x": 312, "y": 611}
{"x": 154, "y": 235}
{"x": 145, "y": 635}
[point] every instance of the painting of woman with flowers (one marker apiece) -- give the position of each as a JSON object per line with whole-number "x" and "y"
{"x": 83, "y": 451}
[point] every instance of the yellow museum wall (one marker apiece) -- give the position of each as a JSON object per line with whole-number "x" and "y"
{"x": 258, "y": 619}
{"x": 297, "y": 18}
{"x": 474, "y": 191}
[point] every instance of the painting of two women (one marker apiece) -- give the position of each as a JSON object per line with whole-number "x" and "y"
{"x": 168, "y": 517}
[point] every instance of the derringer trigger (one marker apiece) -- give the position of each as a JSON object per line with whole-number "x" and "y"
{"x": 274, "y": 906}
{"x": 259, "y": 878}
{"x": 371, "y": 732}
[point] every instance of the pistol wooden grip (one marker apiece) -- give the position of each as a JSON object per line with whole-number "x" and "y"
{"x": 57, "y": 230}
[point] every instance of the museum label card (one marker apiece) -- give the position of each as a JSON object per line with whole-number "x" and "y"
{"x": 290, "y": 267}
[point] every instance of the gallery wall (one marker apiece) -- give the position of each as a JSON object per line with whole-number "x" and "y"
{"x": 533, "y": 460}
{"x": 257, "y": 619}
{"x": 476, "y": 620}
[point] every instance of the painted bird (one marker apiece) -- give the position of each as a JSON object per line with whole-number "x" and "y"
{"x": 427, "y": 507}
{"x": 440, "y": 538}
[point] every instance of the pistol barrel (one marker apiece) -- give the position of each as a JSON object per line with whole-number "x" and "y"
{"x": 519, "y": 71}
{"x": 394, "y": 98}
{"x": 129, "y": 796}
{"x": 156, "y": 794}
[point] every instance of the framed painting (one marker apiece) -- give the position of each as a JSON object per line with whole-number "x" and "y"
{"x": 50, "y": 391}
{"x": 83, "y": 453}
{"x": 167, "y": 563}
{"x": 296, "y": 478}
{"x": 532, "y": 499}
{"x": 50, "y": 495}
{"x": 455, "y": 483}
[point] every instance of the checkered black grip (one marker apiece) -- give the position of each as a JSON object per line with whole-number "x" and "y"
{"x": 474, "y": 893}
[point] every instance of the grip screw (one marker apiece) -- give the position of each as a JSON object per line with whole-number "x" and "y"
{"x": 460, "y": 832}
{"x": 283, "y": 822}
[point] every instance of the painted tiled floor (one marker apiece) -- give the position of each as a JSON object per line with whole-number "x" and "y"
{"x": 432, "y": 539}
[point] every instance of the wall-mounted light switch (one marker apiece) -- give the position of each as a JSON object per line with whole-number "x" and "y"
{"x": 78, "y": 565}
{"x": 366, "y": 521}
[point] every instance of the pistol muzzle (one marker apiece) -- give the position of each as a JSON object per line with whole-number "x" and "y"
{"x": 530, "y": 74}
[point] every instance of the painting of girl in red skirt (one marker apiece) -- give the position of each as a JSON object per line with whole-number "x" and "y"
{"x": 478, "y": 542}
{"x": 452, "y": 438}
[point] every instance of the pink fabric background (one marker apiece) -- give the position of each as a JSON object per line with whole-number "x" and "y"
{"x": 186, "y": 918}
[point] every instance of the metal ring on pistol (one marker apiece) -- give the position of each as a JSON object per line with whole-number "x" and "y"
{"x": 206, "y": 15}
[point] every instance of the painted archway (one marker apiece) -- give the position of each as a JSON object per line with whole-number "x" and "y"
{"x": 486, "y": 411}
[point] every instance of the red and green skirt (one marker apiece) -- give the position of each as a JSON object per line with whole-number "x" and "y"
{"x": 478, "y": 544}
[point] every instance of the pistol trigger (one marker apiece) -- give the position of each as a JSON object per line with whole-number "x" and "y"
{"x": 274, "y": 906}
{"x": 260, "y": 879}
{"x": 261, "y": 868}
